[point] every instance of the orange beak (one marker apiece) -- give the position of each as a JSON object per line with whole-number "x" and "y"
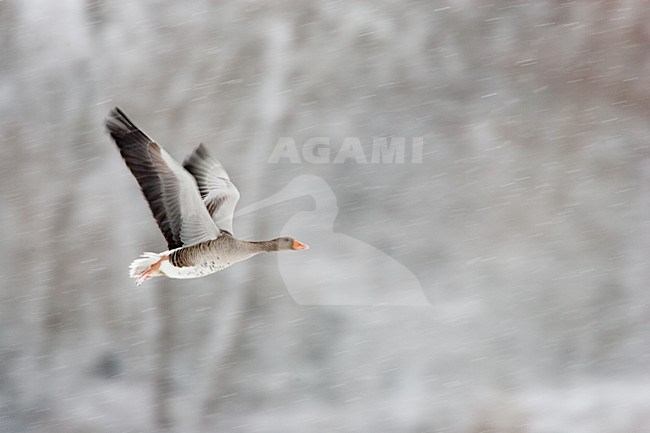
{"x": 299, "y": 245}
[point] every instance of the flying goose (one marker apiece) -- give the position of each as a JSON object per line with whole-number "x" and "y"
{"x": 193, "y": 205}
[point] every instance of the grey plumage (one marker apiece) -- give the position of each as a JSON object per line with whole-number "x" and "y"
{"x": 219, "y": 194}
{"x": 192, "y": 203}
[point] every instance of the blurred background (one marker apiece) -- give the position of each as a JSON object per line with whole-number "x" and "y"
{"x": 526, "y": 224}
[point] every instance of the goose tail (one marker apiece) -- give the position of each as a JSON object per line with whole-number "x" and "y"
{"x": 141, "y": 265}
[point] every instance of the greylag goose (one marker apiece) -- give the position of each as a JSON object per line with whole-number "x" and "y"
{"x": 193, "y": 205}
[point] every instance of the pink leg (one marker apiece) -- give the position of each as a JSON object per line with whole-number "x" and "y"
{"x": 147, "y": 275}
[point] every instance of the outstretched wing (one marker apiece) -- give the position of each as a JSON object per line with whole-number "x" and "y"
{"x": 219, "y": 194}
{"x": 170, "y": 190}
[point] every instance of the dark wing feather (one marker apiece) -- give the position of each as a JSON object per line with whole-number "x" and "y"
{"x": 219, "y": 194}
{"x": 170, "y": 190}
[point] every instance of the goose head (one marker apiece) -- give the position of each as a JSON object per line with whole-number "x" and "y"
{"x": 287, "y": 244}
{"x": 279, "y": 244}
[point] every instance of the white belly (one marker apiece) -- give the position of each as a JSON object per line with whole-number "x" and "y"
{"x": 205, "y": 268}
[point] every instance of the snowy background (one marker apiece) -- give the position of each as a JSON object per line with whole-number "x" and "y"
{"x": 527, "y": 223}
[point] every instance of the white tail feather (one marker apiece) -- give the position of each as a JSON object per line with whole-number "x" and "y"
{"x": 138, "y": 266}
